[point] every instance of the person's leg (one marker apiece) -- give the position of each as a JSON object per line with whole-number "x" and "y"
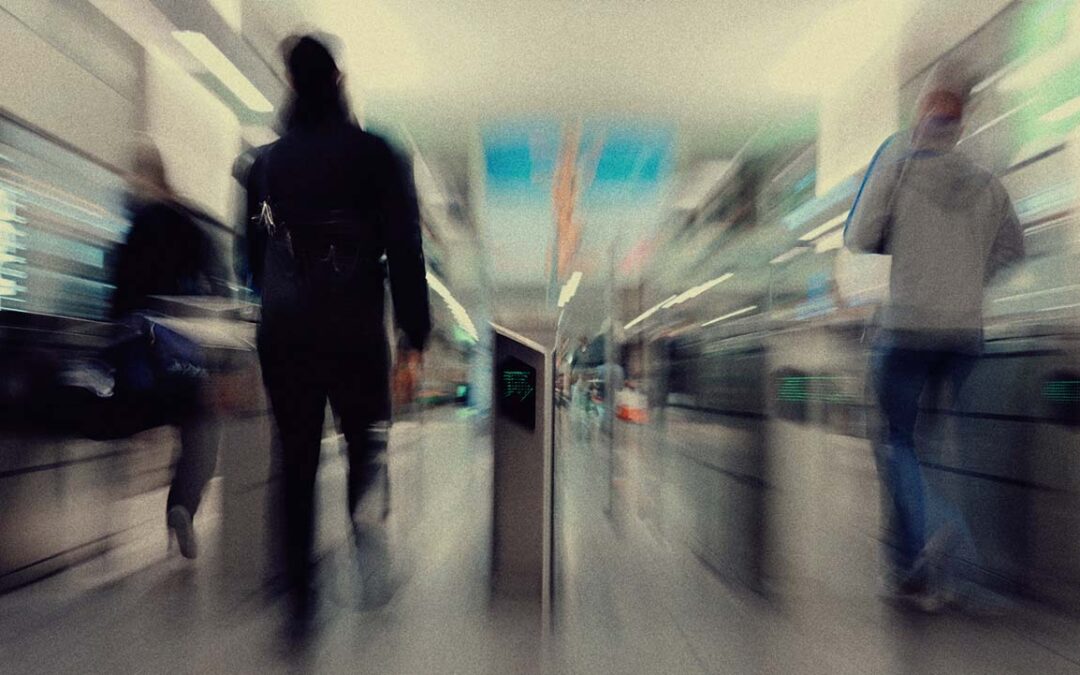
{"x": 366, "y": 442}
{"x": 950, "y": 538}
{"x": 298, "y": 403}
{"x": 199, "y": 435}
{"x": 899, "y": 377}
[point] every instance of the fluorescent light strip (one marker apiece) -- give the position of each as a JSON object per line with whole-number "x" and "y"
{"x": 649, "y": 312}
{"x": 223, "y": 69}
{"x": 1063, "y": 111}
{"x": 458, "y": 312}
{"x": 824, "y": 227}
{"x": 569, "y": 289}
{"x": 692, "y": 293}
{"x": 784, "y": 257}
{"x": 730, "y": 315}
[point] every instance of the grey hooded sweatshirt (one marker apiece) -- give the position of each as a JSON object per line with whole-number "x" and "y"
{"x": 949, "y": 226}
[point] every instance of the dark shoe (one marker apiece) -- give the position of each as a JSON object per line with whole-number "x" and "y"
{"x": 181, "y": 527}
{"x": 378, "y": 578}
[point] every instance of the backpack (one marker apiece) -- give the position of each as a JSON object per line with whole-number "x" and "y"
{"x": 315, "y": 256}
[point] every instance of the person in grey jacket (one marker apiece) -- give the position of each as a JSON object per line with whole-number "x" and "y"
{"x": 949, "y": 226}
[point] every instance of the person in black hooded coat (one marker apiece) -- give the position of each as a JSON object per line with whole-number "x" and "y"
{"x": 331, "y": 211}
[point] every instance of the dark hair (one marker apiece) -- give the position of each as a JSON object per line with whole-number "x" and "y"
{"x": 316, "y": 81}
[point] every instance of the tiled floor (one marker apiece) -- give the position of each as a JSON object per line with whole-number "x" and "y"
{"x": 628, "y": 601}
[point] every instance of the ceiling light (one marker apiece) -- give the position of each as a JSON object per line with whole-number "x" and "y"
{"x": 569, "y": 289}
{"x": 1063, "y": 111}
{"x": 695, "y": 291}
{"x": 1045, "y": 65}
{"x": 784, "y": 257}
{"x": 458, "y": 312}
{"x": 223, "y": 69}
{"x": 730, "y": 315}
{"x": 649, "y": 312}
{"x": 824, "y": 227}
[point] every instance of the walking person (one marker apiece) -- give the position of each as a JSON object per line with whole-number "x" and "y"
{"x": 949, "y": 226}
{"x": 167, "y": 254}
{"x": 330, "y": 210}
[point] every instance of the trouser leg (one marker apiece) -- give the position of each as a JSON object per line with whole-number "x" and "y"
{"x": 298, "y": 405}
{"x": 199, "y": 436}
{"x": 899, "y": 378}
{"x": 368, "y": 469}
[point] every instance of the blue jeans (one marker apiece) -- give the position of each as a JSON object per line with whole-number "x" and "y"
{"x": 899, "y": 377}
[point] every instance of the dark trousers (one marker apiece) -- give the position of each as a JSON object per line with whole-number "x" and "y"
{"x": 180, "y": 399}
{"x": 299, "y": 387}
{"x": 199, "y": 433}
{"x": 900, "y": 375}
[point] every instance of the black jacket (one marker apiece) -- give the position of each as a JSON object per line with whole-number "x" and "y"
{"x": 166, "y": 253}
{"x": 332, "y": 166}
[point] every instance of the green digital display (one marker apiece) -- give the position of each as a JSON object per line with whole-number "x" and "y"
{"x": 829, "y": 389}
{"x": 1062, "y": 391}
{"x": 517, "y": 392}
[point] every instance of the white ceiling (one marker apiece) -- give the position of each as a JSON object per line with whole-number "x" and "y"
{"x": 441, "y": 66}
{"x": 444, "y": 70}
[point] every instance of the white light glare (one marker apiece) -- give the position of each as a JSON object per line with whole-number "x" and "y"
{"x": 223, "y": 69}
{"x": 829, "y": 242}
{"x": 458, "y": 312}
{"x": 569, "y": 289}
{"x": 824, "y": 227}
{"x": 692, "y": 293}
{"x": 1047, "y": 64}
{"x": 730, "y": 315}
{"x": 1063, "y": 111}
{"x": 649, "y": 312}
{"x": 784, "y": 257}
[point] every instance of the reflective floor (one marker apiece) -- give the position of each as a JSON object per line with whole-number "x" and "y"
{"x": 630, "y": 598}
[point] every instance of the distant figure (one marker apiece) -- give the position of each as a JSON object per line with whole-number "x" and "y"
{"x": 579, "y": 407}
{"x": 166, "y": 253}
{"x": 325, "y": 204}
{"x": 949, "y": 227}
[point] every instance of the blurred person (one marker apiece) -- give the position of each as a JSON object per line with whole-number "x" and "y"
{"x": 579, "y": 406}
{"x": 949, "y": 226}
{"x": 166, "y": 253}
{"x": 327, "y": 204}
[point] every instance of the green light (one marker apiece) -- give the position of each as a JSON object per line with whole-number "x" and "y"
{"x": 824, "y": 388}
{"x": 1062, "y": 391}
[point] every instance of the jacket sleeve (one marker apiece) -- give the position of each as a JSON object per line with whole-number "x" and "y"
{"x": 868, "y": 222}
{"x": 404, "y": 247}
{"x": 250, "y": 246}
{"x": 1008, "y": 245}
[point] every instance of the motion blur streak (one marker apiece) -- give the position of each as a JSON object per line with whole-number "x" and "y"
{"x": 702, "y": 208}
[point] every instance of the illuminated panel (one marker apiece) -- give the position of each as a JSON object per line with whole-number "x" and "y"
{"x": 828, "y": 389}
{"x": 61, "y": 217}
{"x": 11, "y": 264}
{"x": 1062, "y": 391}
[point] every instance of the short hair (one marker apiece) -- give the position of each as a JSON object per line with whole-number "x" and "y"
{"x": 310, "y": 63}
{"x": 946, "y": 91}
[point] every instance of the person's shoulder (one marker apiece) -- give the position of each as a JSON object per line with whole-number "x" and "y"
{"x": 371, "y": 142}
{"x": 975, "y": 172}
